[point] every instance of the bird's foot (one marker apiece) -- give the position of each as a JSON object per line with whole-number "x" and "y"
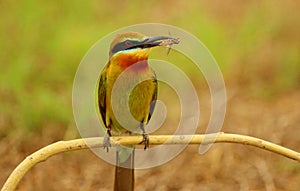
{"x": 106, "y": 142}
{"x": 145, "y": 141}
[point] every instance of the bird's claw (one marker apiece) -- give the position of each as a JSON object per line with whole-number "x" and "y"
{"x": 145, "y": 141}
{"x": 106, "y": 142}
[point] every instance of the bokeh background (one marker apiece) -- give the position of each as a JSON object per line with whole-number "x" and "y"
{"x": 256, "y": 44}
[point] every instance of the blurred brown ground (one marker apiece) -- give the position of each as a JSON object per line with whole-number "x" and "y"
{"x": 223, "y": 167}
{"x": 257, "y": 106}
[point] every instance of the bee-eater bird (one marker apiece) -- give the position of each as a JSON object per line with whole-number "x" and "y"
{"x": 129, "y": 52}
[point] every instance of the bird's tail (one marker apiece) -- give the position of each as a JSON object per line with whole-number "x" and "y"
{"x": 124, "y": 173}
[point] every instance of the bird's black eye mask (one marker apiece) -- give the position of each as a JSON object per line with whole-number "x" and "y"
{"x": 131, "y": 44}
{"x": 147, "y": 43}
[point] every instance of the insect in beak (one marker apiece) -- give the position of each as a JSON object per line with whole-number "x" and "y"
{"x": 169, "y": 42}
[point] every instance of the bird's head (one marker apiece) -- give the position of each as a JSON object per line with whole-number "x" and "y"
{"x": 136, "y": 46}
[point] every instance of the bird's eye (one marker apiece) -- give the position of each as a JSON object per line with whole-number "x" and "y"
{"x": 128, "y": 43}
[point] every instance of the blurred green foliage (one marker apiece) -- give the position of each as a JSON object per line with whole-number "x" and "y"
{"x": 42, "y": 42}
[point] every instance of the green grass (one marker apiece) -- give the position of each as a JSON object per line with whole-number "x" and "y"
{"x": 42, "y": 43}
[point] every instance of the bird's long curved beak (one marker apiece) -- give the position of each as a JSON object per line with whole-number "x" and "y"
{"x": 159, "y": 41}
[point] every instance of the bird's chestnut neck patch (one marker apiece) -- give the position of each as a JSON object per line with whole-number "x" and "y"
{"x": 135, "y": 61}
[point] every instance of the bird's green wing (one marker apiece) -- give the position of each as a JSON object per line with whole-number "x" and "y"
{"x": 154, "y": 97}
{"x": 102, "y": 96}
